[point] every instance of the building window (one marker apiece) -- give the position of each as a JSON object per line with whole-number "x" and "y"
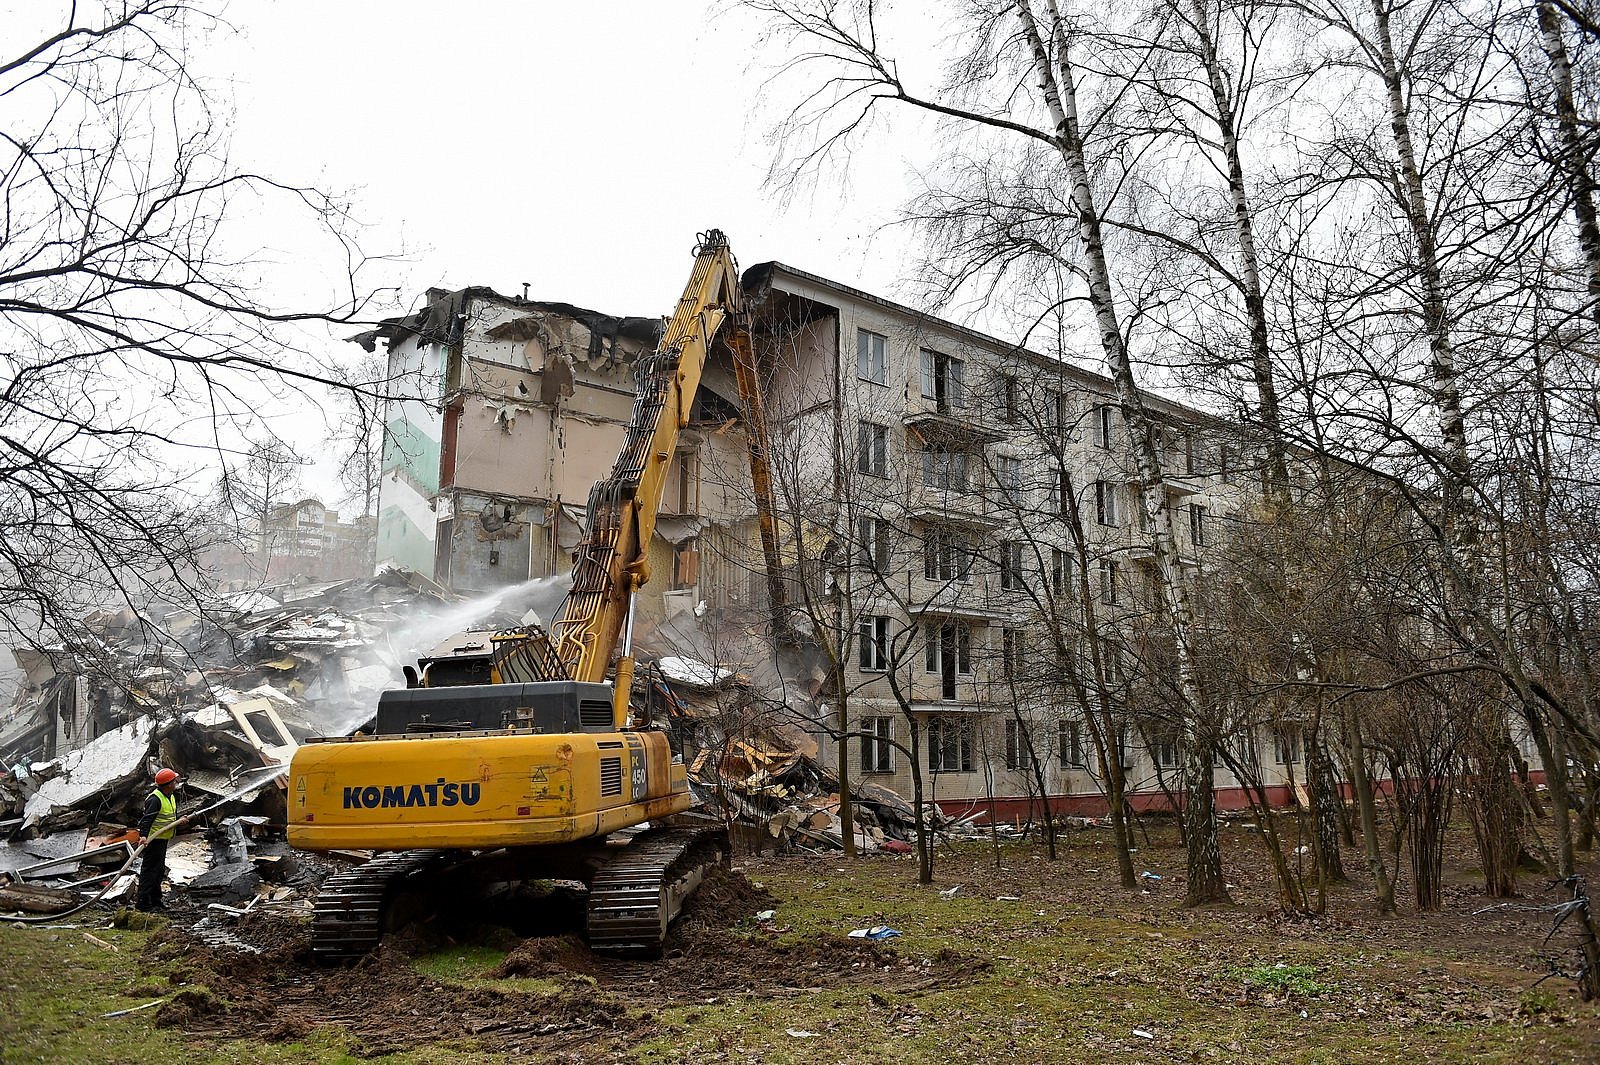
{"x": 1105, "y": 503}
{"x": 1104, "y": 425}
{"x": 1008, "y": 472}
{"x": 877, "y": 754}
{"x": 872, "y": 543}
{"x": 1064, "y": 494}
{"x": 1164, "y": 749}
{"x": 872, "y": 449}
{"x": 1188, "y": 453}
{"x": 942, "y": 380}
{"x": 949, "y": 745}
{"x": 1197, "y": 525}
{"x": 1147, "y": 524}
{"x": 872, "y": 357}
{"x": 1225, "y": 464}
{"x": 1061, "y": 407}
{"x": 946, "y": 555}
{"x": 1069, "y": 740}
{"x": 949, "y": 648}
{"x": 1012, "y": 648}
{"x": 1011, "y": 566}
{"x": 944, "y": 468}
{"x": 1010, "y": 398}
{"x": 1286, "y": 744}
{"x": 1110, "y": 577}
{"x": 1060, "y": 571}
{"x": 1019, "y": 755}
{"x": 872, "y": 654}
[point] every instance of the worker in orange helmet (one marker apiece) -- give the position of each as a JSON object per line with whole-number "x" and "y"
{"x": 157, "y": 824}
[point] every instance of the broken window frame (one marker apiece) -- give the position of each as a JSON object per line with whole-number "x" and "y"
{"x": 872, "y": 651}
{"x": 1012, "y": 573}
{"x": 943, "y": 380}
{"x": 872, "y": 542}
{"x": 1106, "y": 504}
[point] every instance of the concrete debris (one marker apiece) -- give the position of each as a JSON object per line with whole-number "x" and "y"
{"x": 692, "y": 673}
{"x": 215, "y": 693}
{"x": 111, "y": 761}
{"x": 227, "y": 883}
{"x": 224, "y": 694}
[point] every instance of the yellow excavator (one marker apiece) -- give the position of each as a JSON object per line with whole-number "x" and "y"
{"x": 510, "y": 756}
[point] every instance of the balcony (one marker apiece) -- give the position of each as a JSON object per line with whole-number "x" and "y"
{"x": 1178, "y": 485}
{"x": 950, "y": 506}
{"x": 953, "y": 424}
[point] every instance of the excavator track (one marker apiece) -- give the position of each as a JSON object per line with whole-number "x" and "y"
{"x": 635, "y": 896}
{"x": 347, "y": 917}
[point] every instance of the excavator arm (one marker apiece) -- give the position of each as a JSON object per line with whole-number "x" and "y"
{"x": 612, "y": 561}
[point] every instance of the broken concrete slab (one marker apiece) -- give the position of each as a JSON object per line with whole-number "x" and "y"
{"x": 236, "y": 882}
{"x": 115, "y": 759}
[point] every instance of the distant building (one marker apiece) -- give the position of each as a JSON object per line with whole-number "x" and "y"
{"x": 302, "y": 540}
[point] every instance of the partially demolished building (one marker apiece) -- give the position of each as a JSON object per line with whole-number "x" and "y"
{"x": 923, "y": 470}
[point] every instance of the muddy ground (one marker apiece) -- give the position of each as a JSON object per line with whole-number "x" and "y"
{"x": 580, "y": 999}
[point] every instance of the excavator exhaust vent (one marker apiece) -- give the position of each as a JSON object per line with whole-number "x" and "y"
{"x": 610, "y": 776}
{"x": 594, "y": 713}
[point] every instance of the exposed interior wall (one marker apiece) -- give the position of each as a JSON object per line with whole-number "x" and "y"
{"x": 412, "y": 433}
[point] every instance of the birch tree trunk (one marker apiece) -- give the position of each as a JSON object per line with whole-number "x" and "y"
{"x": 1204, "y": 859}
{"x": 1574, "y": 156}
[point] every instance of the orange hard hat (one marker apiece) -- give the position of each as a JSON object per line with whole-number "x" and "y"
{"x": 165, "y": 776}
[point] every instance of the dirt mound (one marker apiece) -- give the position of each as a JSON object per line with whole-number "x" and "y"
{"x": 725, "y": 900}
{"x": 187, "y": 1009}
{"x": 551, "y": 956}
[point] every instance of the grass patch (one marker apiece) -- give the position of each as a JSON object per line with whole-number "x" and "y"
{"x": 459, "y": 963}
{"x": 1285, "y": 979}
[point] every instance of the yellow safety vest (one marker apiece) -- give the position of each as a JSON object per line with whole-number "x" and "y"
{"x": 161, "y": 827}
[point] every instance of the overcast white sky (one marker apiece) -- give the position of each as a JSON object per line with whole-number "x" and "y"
{"x": 575, "y": 147}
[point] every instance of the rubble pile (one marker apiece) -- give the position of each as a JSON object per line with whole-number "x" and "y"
{"x": 213, "y": 694}
{"x": 755, "y": 767}
{"x": 224, "y": 696}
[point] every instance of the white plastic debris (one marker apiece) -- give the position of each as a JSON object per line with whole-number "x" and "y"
{"x": 1142, "y": 1034}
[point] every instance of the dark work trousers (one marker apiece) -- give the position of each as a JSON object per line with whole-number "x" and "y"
{"x": 151, "y": 873}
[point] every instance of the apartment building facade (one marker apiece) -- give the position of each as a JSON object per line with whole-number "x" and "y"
{"x": 983, "y": 493}
{"x": 944, "y": 499}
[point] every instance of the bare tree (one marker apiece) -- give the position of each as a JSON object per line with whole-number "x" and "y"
{"x": 141, "y": 329}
